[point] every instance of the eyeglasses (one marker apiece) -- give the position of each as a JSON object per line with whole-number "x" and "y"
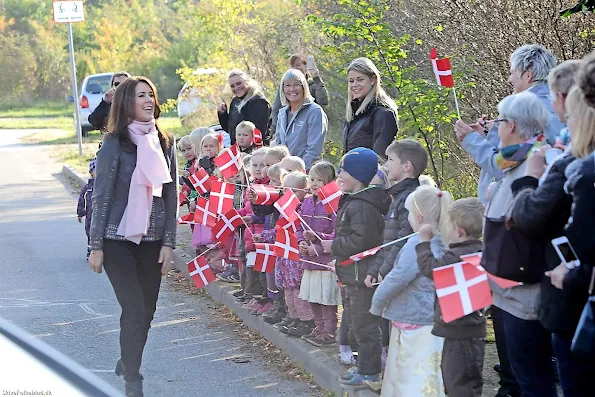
{"x": 498, "y": 121}
{"x": 115, "y": 83}
{"x": 294, "y": 85}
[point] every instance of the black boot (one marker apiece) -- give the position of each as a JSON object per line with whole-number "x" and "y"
{"x": 134, "y": 388}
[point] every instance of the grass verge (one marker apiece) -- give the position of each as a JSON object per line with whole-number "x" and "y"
{"x": 63, "y": 123}
{"x": 36, "y": 109}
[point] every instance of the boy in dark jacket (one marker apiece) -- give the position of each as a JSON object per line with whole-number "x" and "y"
{"x": 85, "y": 204}
{"x": 464, "y": 346}
{"x": 359, "y": 226}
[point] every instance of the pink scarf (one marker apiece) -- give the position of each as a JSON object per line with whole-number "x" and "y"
{"x": 149, "y": 175}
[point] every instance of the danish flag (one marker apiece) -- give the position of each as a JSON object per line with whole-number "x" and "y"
{"x": 229, "y": 161}
{"x": 287, "y": 206}
{"x": 475, "y": 260}
{"x": 284, "y": 224}
{"x": 257, "y": 137}
{"x": 265, "y": 258}
{"x": 442, "y": 70}
{"x": 200, "y": 272}
{"x": 221, "y": 198}
{"x": 265, "y": 194}
{"x": 202, "y": 214}
{"x": 188, "y": 218}
{"x": 330, "y": 195}
{"x": 286, "y": 245}
{"x": 360, "y": 256}
{"x": 201, "y": 180}
{"x": 226, "y": 225}
{"x": 182, "y": 198}
{"x": 462, "y": 289}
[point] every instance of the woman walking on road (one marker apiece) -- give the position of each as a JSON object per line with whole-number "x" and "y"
{"x": 248, "y": 104}
{"x": 137, "y": 165}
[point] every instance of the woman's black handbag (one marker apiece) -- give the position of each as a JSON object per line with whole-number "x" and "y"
{"x": 583, "y": 342}
{"x": 512, "y": 254}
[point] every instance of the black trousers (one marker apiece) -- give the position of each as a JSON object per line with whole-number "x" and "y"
{"x": 135, "y": 274}
{"x": 462, "y": 367}
{"x": 508, "y": 382}
{"x": 365, "y": 327}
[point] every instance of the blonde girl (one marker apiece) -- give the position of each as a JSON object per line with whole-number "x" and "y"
{"x": 406, "y": 298}
{"x": 210, "y": 146}
{"x": 319, "y": 285}
{"x": 196, "y": 138}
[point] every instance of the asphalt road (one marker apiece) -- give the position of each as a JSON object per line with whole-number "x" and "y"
{"x": 47, "y": 288}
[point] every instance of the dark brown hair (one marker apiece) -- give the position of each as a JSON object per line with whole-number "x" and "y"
{"x": 119, "y": 74}
{"x": 123, "y": 108}
{"x": 410, "y": 150}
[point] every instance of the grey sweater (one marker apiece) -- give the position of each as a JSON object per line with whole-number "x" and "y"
{"x": 115, "y": 164}
{"x": 405, "y": 294}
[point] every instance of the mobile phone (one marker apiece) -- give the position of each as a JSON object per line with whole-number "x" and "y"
{"x": 565, "y": 252}
{"x": 310, "y": 62}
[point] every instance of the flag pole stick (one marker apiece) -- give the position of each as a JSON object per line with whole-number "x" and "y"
{"x": 317, "y": 264}
{"x": 308, "y": 226}
{"x": 397, "y": 240}
{"x": 454, "y": 92}
{"x": 207, "y": 250}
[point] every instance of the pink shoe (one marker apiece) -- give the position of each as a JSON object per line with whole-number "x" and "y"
{"x": 265, "y": 308}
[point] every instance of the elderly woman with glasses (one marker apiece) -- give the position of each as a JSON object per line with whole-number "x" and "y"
{"x": 507, "y": 253}
{"x": 301, "y": 123}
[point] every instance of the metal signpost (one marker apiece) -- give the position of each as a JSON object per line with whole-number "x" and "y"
{"x": 69, "y": 11}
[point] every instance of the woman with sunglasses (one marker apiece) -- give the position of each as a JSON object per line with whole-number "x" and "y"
{"x": 133, "y": 231}
{"x": 98, "y": 118}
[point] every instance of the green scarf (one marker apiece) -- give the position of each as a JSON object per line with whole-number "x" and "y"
{"x": 513, "y": 155}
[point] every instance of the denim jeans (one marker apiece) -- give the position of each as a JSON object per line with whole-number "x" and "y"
{"x": 575, "y": 371}
{"x": 508, "y": 383}
{"x": 529, "y": 351}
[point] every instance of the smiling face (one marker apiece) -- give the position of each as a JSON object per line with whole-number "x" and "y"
{"x": 244, "y": 137}
{"x": 359, "y": 84}
{"x": 238, "y": 86}
{"x": 316, "y": 182}
{"x": 269, "y": 160}
{"x": 144, "y": 105}
{"x": 294, "y": 91}
{"x": 347, "y": 183}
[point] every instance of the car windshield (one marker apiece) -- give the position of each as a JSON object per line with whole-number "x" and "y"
{"x": 101, "y": 81}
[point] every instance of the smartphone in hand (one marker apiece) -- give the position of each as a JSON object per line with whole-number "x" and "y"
{"x": 566, "y": 253}
{"x": 310, "y": 62}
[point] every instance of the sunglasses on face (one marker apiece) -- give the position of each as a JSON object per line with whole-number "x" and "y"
{"x": 115, "y": 83}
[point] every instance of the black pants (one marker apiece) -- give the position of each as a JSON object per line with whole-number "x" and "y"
{"x": 346, "y": 336}
{"x": 462, "y": 366}
{"x": 508, "y": 383}
{"x": 365, "y": 329}
{"x": 135, "y": 274}
{"x": 385, "y": 327}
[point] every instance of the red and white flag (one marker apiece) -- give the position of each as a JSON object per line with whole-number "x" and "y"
{"x": 201, "y": 180}
{"x": 360, "y": 256}
{"x": 182, "y": 198}
{"x": 227, "y": 224}
{"x": 258, "y": 141}
{"x": 286, "y": 245}
{"x": 330, "y": 195}
{"x": 475, "y": 260}
{"x": 265, "y": 258}
{"x": 188, "y": 218}
{"x": 442, "y": 70}
{"x": 229, "y": 161}
{"x": 265, "y": 194}
{"x": 286, "y": 225}
{"x": 200, "y": 272}
{"x": 461, "y": 289}
{"x": 202, "y": 214}
{"x": 221, "y": 198}
{"x": 287, "y": 206}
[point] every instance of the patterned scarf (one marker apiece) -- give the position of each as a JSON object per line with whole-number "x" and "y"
{"x": 513, "y": 155}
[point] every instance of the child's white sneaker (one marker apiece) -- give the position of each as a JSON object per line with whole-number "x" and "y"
{"x": 346, "y": 358}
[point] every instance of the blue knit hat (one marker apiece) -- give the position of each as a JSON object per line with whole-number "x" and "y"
{"x": 361, "y": 163}
{"x": 92, "y": 165}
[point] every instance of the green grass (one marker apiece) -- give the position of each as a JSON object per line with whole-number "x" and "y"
{"x": 63, "y": 123}
{"x": 36, "y": 109}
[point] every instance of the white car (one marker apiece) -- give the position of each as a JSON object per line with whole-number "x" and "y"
{"x": 91, "y": 93}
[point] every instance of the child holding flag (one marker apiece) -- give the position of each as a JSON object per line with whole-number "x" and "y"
{"x": 360, "y": 222}
{"x": 319, "y": 284}
{"x": 464, "y": 345}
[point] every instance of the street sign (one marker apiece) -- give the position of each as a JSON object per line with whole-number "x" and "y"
{"x": 68, "y": 11}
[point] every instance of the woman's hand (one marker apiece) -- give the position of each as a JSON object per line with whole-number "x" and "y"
{"x": 96, "y": 260}
{"x": 462, "y": 129}
{"x": 222, "y": 108}
{"x": 557, "y": 275}
{"x": 369, "y": 281}
{"x": 166, "y": 257}
{"x": 536, "y": 163}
